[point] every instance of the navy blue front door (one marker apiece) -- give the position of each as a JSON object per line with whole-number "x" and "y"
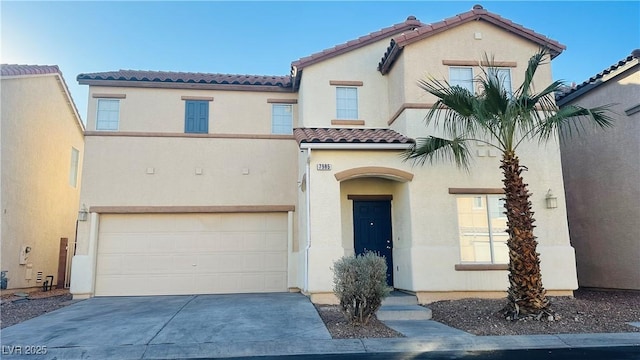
{"x": 372, "y": 230}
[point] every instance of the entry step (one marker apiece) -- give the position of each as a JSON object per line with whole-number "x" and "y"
{"x": 403, "y": 312}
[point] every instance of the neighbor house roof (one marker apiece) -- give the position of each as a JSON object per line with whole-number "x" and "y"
{"x": 345, "y": 135}
{"x": 144, "y": 78}
{"x": 478, "y": 13}
{"x": 599, "y": 78}
{"x": 17, "y": 71}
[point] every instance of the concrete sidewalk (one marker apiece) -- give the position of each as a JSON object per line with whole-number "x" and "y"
{"x": 210, "y": 326}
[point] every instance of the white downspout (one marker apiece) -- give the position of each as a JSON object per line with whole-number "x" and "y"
{"x": 308, "y": 201}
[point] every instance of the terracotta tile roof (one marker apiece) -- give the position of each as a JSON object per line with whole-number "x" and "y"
{"x": 187, "y": 77}
{"x": 598, "y": 78}
{"x": 409, "y": 24}
{"x": 475, "y": 14}
{"x": 344, "y": 135}
{"x": 18, "y": 70}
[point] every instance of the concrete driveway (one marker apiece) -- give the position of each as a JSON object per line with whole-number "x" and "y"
{"x": 130, "y": 325}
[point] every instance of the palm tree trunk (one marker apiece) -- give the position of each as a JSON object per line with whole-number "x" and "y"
{"x": 526, "y": 294}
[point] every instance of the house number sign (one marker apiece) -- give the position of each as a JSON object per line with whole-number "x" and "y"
{"x": 324, "y": 167}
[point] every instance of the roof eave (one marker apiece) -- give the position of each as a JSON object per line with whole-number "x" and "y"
{"x": 354, "y": 146}
{"x": 184, "y": 85}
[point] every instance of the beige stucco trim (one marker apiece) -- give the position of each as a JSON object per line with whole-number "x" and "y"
{"x": 197, "y": 98}
{"x": 370, "y": 197}
{"x": 474, "y": 191}
{"x": 374, "y": 171}
{"x": 405, "y": 106}
{"x": 476, "y": 63}
{"x": 327, "y": 298}
{"x": 109, "y": 96}
{"x": 190, "y": 209}
{"x": 480, "y": 267}
{"x": 348, "y": 122}
{"x": 282, "y": 101}
{"x": 188, "y": 135}
{"x": 345, "y": 83}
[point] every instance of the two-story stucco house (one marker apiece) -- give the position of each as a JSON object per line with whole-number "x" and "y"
{"x": 209, "y": 183}
{"x": 602, "y": 176}
{"x": 42, "y": 147}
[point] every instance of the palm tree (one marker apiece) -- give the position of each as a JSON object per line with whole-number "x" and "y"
{"x": 504, "y": 120}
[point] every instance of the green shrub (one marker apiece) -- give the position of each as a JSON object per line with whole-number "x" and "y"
{"x": 360, "y": 282}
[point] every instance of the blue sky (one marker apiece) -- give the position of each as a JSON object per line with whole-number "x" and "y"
{"x": 263, "y": 38}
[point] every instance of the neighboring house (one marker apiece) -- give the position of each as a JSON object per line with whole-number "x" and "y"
{"x": 602, "y": 176}
{"x": 210, "y": 183}
{"x": 42, "y": 147}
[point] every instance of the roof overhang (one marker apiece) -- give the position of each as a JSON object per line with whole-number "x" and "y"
{"x": 183, "y": 85}
{"x": 355, "y": 146}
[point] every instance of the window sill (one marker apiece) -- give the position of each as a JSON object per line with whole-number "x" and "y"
{"x": 481, "y": 267}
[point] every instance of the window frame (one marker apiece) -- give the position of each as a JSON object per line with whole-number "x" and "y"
{"x": 491, "y": 234}
{"x": 502, "y": 83}
{"x": 457, "y": 82}
{"x": 74, "y": 167}
{"x": 275, "y": 116}
{"x": 341, "y": 110}
{"x": 99, "y": 111}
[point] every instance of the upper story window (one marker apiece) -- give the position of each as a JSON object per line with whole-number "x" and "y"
{"x": 483, "y": 236}
{"x": 461, "y": 76}
{"x": 346, "y": 102}
{"x": 282, "y": 119}
{"x": 73, "y": 170}
{"x": 196, "y": 118}
{"x": 504, "y": 78}
{"x": 108, "y": 115}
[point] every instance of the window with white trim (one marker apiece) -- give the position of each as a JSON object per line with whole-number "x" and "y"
{"x": 483, "y": 236}
{"x": 282, "y": 119}
{"x": 504, "y": 78}
{"x": 461, "y": 76}
{"x": 73, "y": 169}
{"x": 346, "y": 103}
{"x": 108, "y": 115}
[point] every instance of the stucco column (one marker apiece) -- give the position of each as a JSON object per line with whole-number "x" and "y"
{"x": 83, "y": 267}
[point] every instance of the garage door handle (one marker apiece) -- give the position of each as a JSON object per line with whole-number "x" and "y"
{"x": 193, "y": 264}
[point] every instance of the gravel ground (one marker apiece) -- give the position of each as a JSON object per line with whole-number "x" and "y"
{"x": 14, "y": 310}
{"x": 339, "y": 327}
{"x": 589, "y": 311}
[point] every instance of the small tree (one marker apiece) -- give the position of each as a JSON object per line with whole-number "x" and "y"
{"x": 505, "y": 120}
{"x": 360, "y": 282}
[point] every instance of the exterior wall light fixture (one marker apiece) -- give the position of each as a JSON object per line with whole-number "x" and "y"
{"x": 551, "y": 200}
{"x": 83, "y": 214}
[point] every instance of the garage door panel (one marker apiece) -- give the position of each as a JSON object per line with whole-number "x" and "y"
{"x": 164, "y": 254}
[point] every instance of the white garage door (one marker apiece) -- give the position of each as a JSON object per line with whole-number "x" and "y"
{"x": 171, "y": 254}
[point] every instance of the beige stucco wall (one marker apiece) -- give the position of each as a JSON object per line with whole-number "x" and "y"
{"x": 39, "y": 206}
{"x": 424, "y": 58}
{"x": 318, "y": 97}
{"x": 425, "y": 229}
{"x": 602, "y": 173}
{"x": 162, "y": 110}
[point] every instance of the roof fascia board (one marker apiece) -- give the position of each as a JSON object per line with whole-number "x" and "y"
{"x": 184, "y": 85}
{"x": 355, "y": 146}
{"x": 586, "y": 88}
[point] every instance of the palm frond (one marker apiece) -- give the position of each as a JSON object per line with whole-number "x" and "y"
{"x": 573, "y": 119}
{"x": 434, "y": 149}
{"x": 534, "y": 63}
